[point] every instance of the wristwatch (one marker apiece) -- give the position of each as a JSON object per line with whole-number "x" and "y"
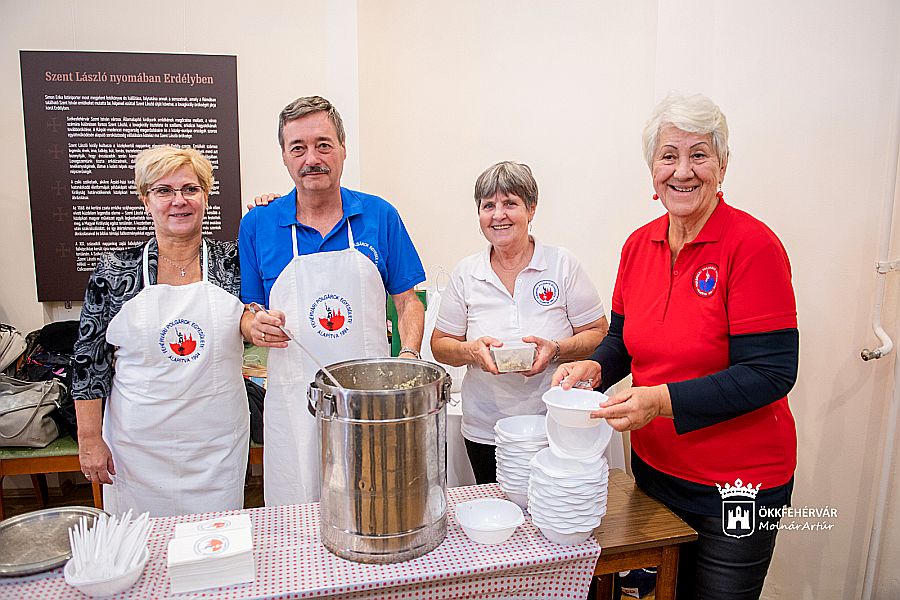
{"x": 410, "y": 351}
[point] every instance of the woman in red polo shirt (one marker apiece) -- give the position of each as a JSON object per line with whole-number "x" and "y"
{"x": 703, "y": 317}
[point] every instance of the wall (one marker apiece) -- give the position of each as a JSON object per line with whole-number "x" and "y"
{"x": 443, "y": 90}
{"x": 809, "y": 89}
{"x": 288, "y": 50}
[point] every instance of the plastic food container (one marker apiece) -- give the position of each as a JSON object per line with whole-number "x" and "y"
{"x": 489, "y": 520}
{"x": 513, "y": 357}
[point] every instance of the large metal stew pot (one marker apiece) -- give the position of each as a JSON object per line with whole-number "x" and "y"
{"x": 383, "y": 443}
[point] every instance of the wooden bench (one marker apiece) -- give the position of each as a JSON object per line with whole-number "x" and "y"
{"x": 60, "y": 456}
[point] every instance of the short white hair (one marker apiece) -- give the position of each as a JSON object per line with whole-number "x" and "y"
{"x": 694, "y": 114}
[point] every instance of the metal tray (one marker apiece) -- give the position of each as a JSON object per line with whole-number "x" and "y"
{"x": 39, "y": 541}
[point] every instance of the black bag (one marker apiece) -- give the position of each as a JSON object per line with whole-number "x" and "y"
{"x": 49, "y": 355}
{"x": 256, "y": 395}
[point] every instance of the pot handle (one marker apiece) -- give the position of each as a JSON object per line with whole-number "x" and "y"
{"x": 313, "y": 396}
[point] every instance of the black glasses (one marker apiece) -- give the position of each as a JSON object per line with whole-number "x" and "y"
{"x": 188, "y": 192}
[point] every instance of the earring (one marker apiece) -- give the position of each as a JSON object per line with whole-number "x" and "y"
{"x": 656, "y": 196}
{"x": 719, "y": 194}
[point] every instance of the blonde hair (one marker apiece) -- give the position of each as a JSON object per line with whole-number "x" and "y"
{"x": 152, "y": 164}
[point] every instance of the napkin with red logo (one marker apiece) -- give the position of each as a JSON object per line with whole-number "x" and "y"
{"x": 211, "y": 553}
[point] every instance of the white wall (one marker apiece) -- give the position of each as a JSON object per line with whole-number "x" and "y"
{"x": 433, "y": 93}
{"x": 446, "y": 89}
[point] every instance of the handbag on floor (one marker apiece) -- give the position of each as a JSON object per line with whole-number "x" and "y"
{"x": 12, "y": 345}
{"x": 25, "y": 409}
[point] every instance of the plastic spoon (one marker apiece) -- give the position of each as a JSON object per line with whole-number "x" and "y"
{"x": 254, "y": 308}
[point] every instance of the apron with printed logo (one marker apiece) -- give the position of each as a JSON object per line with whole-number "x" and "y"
{"x": 334, "y": 302}
{"x": 177, "y": 421}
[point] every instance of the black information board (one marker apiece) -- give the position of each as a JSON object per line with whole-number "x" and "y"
{"x": 87, "y": 114}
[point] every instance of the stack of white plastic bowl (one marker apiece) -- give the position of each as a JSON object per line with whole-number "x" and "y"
{"x": 518, "y": 439}
{"x": 570, "y": 479}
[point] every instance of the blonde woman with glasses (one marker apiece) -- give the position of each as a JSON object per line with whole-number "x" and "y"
{"x": 159, "y": 341}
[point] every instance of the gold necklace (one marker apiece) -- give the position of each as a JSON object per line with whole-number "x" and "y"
{"x": 181, "y": 268}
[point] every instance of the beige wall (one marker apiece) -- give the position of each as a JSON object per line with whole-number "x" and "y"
{"x": 446, "y": 89}
{"x": 442, "y": 90}
{"x": 285, "y": 49}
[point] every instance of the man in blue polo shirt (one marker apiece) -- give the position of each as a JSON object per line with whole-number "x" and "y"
{"x": 320, "y": 259}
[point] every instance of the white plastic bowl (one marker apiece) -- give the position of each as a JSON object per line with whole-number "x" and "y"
{"x": 100, "y": 588}
{"x": 523, "y": 428}
{"x": 573, "y": 407}
{"x": 566, "y": 539}
{"x": 513, "y": 357}
{"x": 519, "y": 498}
{"x": 489, "y": 520}
{"x": 582, "y": 443}
{"x": 589, "y": 469}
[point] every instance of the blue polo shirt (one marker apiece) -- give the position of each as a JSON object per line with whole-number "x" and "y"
{"x": 265, "y": 245}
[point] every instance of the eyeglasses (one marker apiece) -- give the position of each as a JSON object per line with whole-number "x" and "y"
{"x": 188, "y": 192}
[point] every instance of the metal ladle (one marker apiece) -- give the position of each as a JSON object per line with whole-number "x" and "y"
{"x": 254, "y": 308}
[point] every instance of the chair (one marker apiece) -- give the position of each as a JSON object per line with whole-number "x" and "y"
{"x": 60, "y": 456}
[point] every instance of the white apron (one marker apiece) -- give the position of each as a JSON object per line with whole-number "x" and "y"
{"x": 334, "y": 302}
{"x": 177, "y": 421}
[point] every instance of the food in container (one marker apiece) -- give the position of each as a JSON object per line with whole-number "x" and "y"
{"x": 513, "y": 357}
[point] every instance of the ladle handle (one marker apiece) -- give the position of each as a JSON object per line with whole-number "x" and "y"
{"x": 254, "y": 308}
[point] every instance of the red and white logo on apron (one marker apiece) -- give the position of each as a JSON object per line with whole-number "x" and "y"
{"x": 330, "y": 316}
{"x": 211, "y": 544}
{"x": 182, "y": 341}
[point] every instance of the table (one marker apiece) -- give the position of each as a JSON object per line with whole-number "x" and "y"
{"x": 637, "y": 532}
{"x": 291, "y": 563}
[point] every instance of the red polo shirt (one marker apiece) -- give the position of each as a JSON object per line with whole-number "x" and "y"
{"x": 733, "y": 279}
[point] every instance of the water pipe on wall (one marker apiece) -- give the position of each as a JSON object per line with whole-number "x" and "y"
{"x": 882, "y": 268}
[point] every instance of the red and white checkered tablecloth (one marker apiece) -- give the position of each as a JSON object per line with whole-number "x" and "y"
{"x": 292, "y": 563}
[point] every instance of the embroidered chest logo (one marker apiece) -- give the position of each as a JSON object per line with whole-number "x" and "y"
{"x": 367, "y": 250}
{"x": 545, "y": 292}
{"x": 211, "y": 544}
{"x": 182, "y": 341}
{"x": 330, "y": 316}
{"x": 706, "y": 280}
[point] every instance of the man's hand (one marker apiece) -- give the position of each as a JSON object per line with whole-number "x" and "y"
{"x": 265, "y": 326}
{"x": 262, "y": 200}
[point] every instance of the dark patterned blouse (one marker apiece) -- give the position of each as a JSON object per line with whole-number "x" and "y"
{"x": 118, "y": 278}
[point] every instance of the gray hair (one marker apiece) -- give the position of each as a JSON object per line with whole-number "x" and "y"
{"x": 509, "y": 178}
{"x": 307, "y": 105}
{"x": 694, "y": 114}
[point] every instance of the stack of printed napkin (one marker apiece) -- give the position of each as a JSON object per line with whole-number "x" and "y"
{"x": 211, "y": 553}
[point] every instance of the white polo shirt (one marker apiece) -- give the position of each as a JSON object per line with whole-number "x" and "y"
{"x": 552, "y": 295}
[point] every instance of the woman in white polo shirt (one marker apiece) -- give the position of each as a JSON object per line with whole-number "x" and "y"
{"x": 514, "y": 290}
